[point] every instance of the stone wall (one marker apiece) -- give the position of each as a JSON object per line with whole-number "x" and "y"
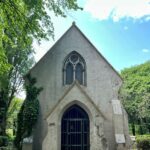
{"x": 102, "y": 86}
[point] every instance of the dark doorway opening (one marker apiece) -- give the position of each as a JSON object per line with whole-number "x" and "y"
{"x": 75, "y": 129}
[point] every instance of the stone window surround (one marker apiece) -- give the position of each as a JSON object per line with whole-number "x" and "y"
{"x": 80, "y": 60}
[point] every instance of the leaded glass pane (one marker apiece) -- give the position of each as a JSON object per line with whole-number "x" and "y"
{"x": 79, "y": 73}
{"x": 69, "y": 73}
{"x": 74, "y": 58}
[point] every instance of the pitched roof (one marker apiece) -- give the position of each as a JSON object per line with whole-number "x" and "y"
{"x": 97, "y": 51}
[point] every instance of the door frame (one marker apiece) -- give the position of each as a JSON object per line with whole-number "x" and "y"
{"x": 82, "y": 120}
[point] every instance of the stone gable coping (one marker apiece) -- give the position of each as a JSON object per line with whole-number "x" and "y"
{"x": 86, "y": 95}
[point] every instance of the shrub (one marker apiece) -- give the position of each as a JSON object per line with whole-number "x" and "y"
{"x": 3, "y": 140}
{"x": 143, "y": 142}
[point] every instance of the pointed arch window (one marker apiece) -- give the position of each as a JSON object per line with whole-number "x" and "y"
{"x": 69, "y": 73}
{"x": 74, "y": 69}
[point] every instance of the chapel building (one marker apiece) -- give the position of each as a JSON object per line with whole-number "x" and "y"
{"x": 79, "y": 104}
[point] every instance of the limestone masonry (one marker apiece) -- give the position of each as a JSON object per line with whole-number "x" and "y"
{"x": 79, "y": 106}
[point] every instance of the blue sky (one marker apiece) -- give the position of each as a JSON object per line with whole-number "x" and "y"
{"x": 119, "y": 29}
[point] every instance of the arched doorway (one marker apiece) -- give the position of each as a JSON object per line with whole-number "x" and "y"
{"x": 75, "y": 129}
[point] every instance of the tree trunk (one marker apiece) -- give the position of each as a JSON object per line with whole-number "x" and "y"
{"x": 3, "y": 130}
{"x": 3, "y": 118}
{"x": 133, "y": 128}
{"x": 140, "y": 127}
{"x": 148, "y": 127}
{"x": 147, "y": 122}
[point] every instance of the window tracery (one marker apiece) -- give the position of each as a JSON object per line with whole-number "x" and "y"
{"x": 74, "y": 69}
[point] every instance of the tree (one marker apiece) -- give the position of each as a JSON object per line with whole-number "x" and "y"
{"x": 3, "y": 65}
{"x": 20, "y": 18}
{"x": 20, "y": 22}
{"x": 135, "y": 94}
{"x": 12, "y": 115}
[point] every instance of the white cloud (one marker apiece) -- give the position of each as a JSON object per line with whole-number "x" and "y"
{"x": 148, "y": 18}
{"x": 145, "y": 50}
{"x": 118, "y": 9}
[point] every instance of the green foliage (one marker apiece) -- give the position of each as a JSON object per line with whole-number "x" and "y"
{"x": 5, "y": 67}
{"x": 3, "y": 140}
{"x": 143, "y": 142}
{"x": 12, "y": 116}
{"x": 29, "y": 111}
{"x": 135, "y": 94}
{"x": 138, "y": 128}
{"x": 14, "y": 108}
{"x": 21, "y": 19}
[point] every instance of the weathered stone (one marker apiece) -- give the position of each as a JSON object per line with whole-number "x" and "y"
{"x": 102, "y": 85}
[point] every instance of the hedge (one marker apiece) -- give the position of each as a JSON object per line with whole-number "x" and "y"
{"x": 143, "y": 142}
